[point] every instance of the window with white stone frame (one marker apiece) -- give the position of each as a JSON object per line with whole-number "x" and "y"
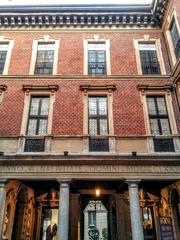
{"x": 97, "y": 56}
{"x": 98, "y": 126}
{"x": 44, "y": 56}
{"x": 160, "y": 123}
{"x": 98, "y": 123}
{"x": 175, "y": 36}
{"x": 37, "y": 123}
{"x": 149, "y": 56}
{"x": 149, "y": 59}
{"x": 96, "y": 59}
{"x": 5, "y": 55}
{"x": 36, "y": 126}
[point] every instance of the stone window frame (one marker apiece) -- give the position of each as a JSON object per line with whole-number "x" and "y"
{"x": 146, "y": 40}
{"x": 38, "y": 91}
{"x": 98, "y": 91}
{"x": 2, "y": 89}
{"x": 10, "y": 43}
{"x": 96, "y": 40}
{"x": 44, "y": 40}
{"x": 172, "y": 16}
{"x": 164, "y": 91}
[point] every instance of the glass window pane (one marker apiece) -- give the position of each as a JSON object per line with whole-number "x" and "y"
{"x": 147, "y": 46}
{"x": 154, "y": 127}
{"x": 2, "y": 60}
{"x": 42, "y": 127}
{"x": 161, "y": 105}
{"x": 165, "y": 126}
{"x": 151, "y": 105}
{"x": 101, "y": 56}
{"x": 92, "y": 56}
{"x": 92, "y": 126}
{"x": 103, "y": 127}
{"x": 3, "y": 55}
{"x": 102, "y": 106}
{"x": 92, "y": 106}
{"x": 45, "y": 106}
{"x": 174, "y": 33}
{"x": 34, "y": 106}
{"x": 41, "y": 56}
{"x": 49, "y": 56}
{"x": 32, "y": 127}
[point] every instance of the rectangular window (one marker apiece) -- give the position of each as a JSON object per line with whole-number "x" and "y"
{"x": 92, "y": 218}
{"x": 96, "y": 59}
{"x": 44, "y": 59}
{"x": 98, "y": 123}
{"x": 175, "y": 38}
{"x": 3, "y": 54}
{"x": 159, "y": 123}
{"x": 149, "y": 59}
{"x": 37, "y": 123}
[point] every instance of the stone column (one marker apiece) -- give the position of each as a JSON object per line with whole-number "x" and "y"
{"x": 2, "y": 205}
{"x": 63, "y": 214}
{"x": 136, "y": 220}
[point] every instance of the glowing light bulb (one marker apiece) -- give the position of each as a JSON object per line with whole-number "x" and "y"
{"x": 98, "y": 192}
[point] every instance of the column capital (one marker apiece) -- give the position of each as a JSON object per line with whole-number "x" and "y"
{"x": 64, "y": 181}
{"x": 3, "y": 182}
{"x": 133, "y": 183}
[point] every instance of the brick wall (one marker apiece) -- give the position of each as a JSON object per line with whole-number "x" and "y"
{"x": 71, "y": 52}
{"x": 68, "y": 106}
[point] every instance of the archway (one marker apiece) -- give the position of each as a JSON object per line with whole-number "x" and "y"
{"x": 19, "y": 215}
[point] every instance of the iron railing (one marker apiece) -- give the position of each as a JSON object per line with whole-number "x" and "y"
{"x": 163, "y": 145}
{"x": 34, "y": 145}
{"x": 43, "y": 68}
{"x": 98, "y": 145}
{"x": 97, "y": 68}
{"x": 150, "y": 68}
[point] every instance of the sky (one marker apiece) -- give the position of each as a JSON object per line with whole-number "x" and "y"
{"x": 46, "y": 2}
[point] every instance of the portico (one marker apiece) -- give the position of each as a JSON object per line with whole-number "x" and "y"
{"x": 57, "y": 201}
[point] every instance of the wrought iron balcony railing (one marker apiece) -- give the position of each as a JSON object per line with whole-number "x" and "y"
{"x": 97, "y": 68}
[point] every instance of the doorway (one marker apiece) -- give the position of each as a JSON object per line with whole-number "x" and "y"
{"x": 97, "y": 218}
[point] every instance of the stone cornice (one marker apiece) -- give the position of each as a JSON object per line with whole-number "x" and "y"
{"x": 40, "y": 88}
{"x": 92, "y": 87}
{"x": 155, "y": 87}
{"x": 86, "y": 77}
{"x": 125, "y": 159}
{"x": 84, "y": 15}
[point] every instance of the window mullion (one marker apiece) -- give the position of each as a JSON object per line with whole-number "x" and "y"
{"x": 38, "y": 116}
{"x": 98, "y": 117}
